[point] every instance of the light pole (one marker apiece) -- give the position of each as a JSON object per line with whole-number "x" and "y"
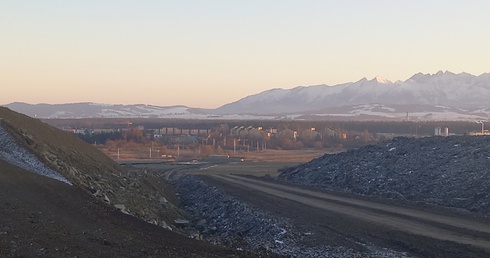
{"x": 482, "y": 126}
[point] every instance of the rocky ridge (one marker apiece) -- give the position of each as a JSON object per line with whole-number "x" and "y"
{"x": 446, "y": 171}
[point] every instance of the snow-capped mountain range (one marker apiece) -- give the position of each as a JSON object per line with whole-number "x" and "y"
{"x": 463, "y": 91}
{"x": 439, "y": 96}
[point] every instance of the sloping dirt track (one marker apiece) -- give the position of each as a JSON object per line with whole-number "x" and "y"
{"x": 421, "y": 233}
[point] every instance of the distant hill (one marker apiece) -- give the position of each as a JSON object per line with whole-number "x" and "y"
{"x": 94, "y": 110}
{"x": 440, "y": 96}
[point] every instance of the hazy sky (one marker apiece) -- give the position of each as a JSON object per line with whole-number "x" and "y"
{"x": 209, "y": 53}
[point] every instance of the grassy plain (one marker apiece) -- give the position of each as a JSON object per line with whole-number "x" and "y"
{"x": 263, "y": 162}
{"x": 245, "y": 168}
{"x": 258, "y": 163}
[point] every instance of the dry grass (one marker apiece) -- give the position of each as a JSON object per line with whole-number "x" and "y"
{"x": 142, "y": 152}
{"x": 262, "y": 163}
{"x": 258, "y": 163}
{"x": 298, "y": 156}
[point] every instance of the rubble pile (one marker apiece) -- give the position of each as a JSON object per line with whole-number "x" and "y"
{"x": 447, "y": 171}
{"x": 224, "y": 220}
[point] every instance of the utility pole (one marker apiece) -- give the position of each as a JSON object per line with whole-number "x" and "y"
{"x": 482, "y": 126}
{"x": 151, "y": 148}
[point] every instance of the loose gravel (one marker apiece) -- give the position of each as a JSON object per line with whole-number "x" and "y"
{"x": 446, "y": 171}
{"x": 225, "y": 220}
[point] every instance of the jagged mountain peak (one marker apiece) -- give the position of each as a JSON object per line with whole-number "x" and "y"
{"x": 381, "y": 80}
{"x": 461, "y": 91}
{"x": 419, "y": 77}
{"x": 375, "y": 80}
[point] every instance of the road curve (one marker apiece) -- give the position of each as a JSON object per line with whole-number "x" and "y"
{"x": 446, "y": 228}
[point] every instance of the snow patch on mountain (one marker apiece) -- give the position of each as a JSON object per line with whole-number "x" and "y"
{"x": 382, "y": 80}
{"x": 406, "y": 112}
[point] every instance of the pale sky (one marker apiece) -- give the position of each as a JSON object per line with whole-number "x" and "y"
{"x": 209, "y": 53}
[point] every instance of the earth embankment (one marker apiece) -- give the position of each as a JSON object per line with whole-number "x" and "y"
{"x": 42, "y": 217}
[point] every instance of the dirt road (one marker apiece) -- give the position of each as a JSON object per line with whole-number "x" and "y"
{"x": 423, "y": 233}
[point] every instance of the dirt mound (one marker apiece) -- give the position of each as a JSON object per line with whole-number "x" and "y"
{"x": 140, "y": 194}
{"x": 447, "y": 171}
{"x": 76, "y": 215}
{"x": 44, "y": 217}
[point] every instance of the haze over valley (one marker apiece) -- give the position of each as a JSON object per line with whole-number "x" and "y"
{"x": 423, "y": 97}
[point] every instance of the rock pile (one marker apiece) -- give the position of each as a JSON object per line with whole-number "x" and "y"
{"x": 224, "y": 220}
{"x": 447, "y": 171}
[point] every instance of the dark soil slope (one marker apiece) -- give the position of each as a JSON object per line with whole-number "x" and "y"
{"x": 447, "y": 171}
{"x": 140, "y": 194}
{"x": 44, "y": 217}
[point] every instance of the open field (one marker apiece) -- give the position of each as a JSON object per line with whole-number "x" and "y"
{"x": 298, "y": 156}
{"x": 241, "y": 163}
{"x": 244, "y": 168}
{"x": 143, "y": 152}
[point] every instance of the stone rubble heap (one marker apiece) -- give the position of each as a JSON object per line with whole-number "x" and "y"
{"x": 447, "y": 171}
{"x": 224, "y": 220}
